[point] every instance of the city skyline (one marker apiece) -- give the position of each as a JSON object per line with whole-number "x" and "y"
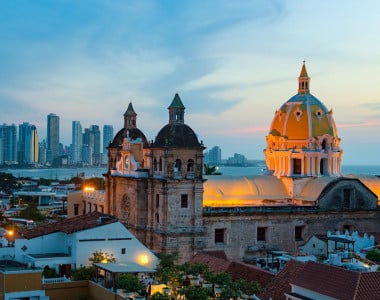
{"x": 233, "y": 64}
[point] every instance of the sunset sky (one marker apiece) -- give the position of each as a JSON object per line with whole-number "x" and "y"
{"x": 233, "y": 64}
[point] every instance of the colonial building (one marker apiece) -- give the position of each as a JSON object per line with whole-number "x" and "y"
{"x": 157, "y": 188}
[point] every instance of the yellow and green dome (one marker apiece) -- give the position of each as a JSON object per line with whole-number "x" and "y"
{"x": 303, "y": 116}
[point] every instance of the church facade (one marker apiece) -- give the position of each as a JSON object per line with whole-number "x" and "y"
{"x": 158, "y": 190}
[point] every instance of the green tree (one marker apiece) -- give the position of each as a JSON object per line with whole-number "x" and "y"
{"x": 209, "y": 170}
{"x": 159, "y": 296}
{"x": 84, "y": 273}
{"x": 32, "y": 212}
{"x": 49, "y": 272}
{"x": 100, "y": 257}
{"x": 373, "y": 255}
{"x": 131, "y": 283}
{"x": 196, "y": 293}
{"x": 8, "y": 182}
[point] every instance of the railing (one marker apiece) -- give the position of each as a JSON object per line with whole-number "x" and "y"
{"x": 55, "y": 280}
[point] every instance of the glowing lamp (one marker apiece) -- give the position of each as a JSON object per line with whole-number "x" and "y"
{"x": 89, "y": 189}
{"x": 143, "y": 259}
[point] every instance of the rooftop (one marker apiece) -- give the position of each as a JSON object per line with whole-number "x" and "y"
{"x": 71, "y": 225}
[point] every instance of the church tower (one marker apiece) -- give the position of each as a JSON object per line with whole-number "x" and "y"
{"x": 156, "y": 188}
{"x": 303, "y": 139}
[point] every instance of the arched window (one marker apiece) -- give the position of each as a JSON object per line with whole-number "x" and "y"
{"x": 160, "y": 165}
{"x": 155, "y": 164}
{"x": 177, "y": 165}
{"x": 323, "y": 145}
{"x": 190, "y": 165}
{"x": 190, "y": 169}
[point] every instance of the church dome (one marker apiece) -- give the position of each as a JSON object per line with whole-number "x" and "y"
{"x": 176, "y": 135}
{"x": 303, "y": 116}
{"x": 303, "y": 139}
{"x": 133, "y": 133}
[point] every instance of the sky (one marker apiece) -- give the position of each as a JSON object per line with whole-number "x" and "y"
{"x": 233, "y": 63}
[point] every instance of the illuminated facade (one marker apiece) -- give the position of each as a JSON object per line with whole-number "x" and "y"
{"x": 156, "y": 188}
{"x": 303, "y": 139}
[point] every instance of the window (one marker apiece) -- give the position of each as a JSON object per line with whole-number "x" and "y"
{"x": 157, "y": 218}
{"x": 347, "y": 227}
{"x": 261, "y": 233}
{"x": 298, "y": 230}
{"x": 184, "y": 202}
{"x": 346, "y": 198}
{"x": 297, "y": 165}
{"x": 76, "y": 209}
{"x": 157, "y": 200}
{"x": 123, "y": 251}
{"x": 219, "y": 235}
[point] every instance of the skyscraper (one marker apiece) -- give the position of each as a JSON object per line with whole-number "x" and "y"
{"x": 107, "y": 137}
{"x": 214, "y": 156}
{"x": 91, "y": 139}
{"x": 8, "y": 144}
{"x": 77, "y": 142}
{"x": 52, "y": 137}
{"x": 27, "y": 144}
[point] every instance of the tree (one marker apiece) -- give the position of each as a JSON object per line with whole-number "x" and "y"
{"x": 130, "y": 283}
{"x": 32, "y": 212}
{"x": 84, "y": 273}
{"x": 49, "y": 272}
{"x": 8, "y": 182}
{"x": 373, "y": 255}
{"x": 102, "y": 257}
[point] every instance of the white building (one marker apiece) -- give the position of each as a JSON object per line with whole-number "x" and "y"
{"x": 69, "y": 244}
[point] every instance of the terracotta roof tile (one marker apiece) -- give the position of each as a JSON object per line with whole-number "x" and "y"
{"x": 70, "y": 225}
{"x": 328, "y": 280}
{"x": 279, "y": 284}
{"x": 238, "y": 270}
{"x": 369, "y": 286}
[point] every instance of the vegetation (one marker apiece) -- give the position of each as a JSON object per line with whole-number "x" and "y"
{"x": 32, "y": 212}
{"x": 102, "y": 257}
{"x": 211, "y": 170}
{"x": 49, "y": 272}
{"x": 373, "y": 255}
{"x": 8, "y": 183}
{"x": 172, "y": 274}
{"x": 131, "y": 283}
{"x": 84, "y": 273}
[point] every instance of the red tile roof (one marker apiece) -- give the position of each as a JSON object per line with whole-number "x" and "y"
{"x": 337, "y": 282}
{"x": 70, "y": 225}
{"x": 279, "y": 285}
{"x": 238, "y": 270}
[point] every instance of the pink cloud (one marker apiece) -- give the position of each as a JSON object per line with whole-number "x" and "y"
{"x": 362, "y": 124}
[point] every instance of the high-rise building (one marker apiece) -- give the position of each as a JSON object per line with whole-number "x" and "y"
{"x": 91, "y": 139}
{"x": 42, "y": 152}
{"x": 107, "y": 137}
{"x": 8, "y": 144}
{"x": 27, "y": 144}
{"x": 52, "y": 137}
{"x": 213, "y": 156}
{"x": 77, "y": 142}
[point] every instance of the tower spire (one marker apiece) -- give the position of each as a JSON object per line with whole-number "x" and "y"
{"x": 176, "y": 111}
{"x": 303, "y": 81}
{"x": 130, "y": 117}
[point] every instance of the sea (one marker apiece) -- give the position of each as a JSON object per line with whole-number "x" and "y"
{"x": 67, "y": 173}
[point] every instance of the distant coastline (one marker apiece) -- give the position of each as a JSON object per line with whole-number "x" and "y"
{"x": 89, "y": 172}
